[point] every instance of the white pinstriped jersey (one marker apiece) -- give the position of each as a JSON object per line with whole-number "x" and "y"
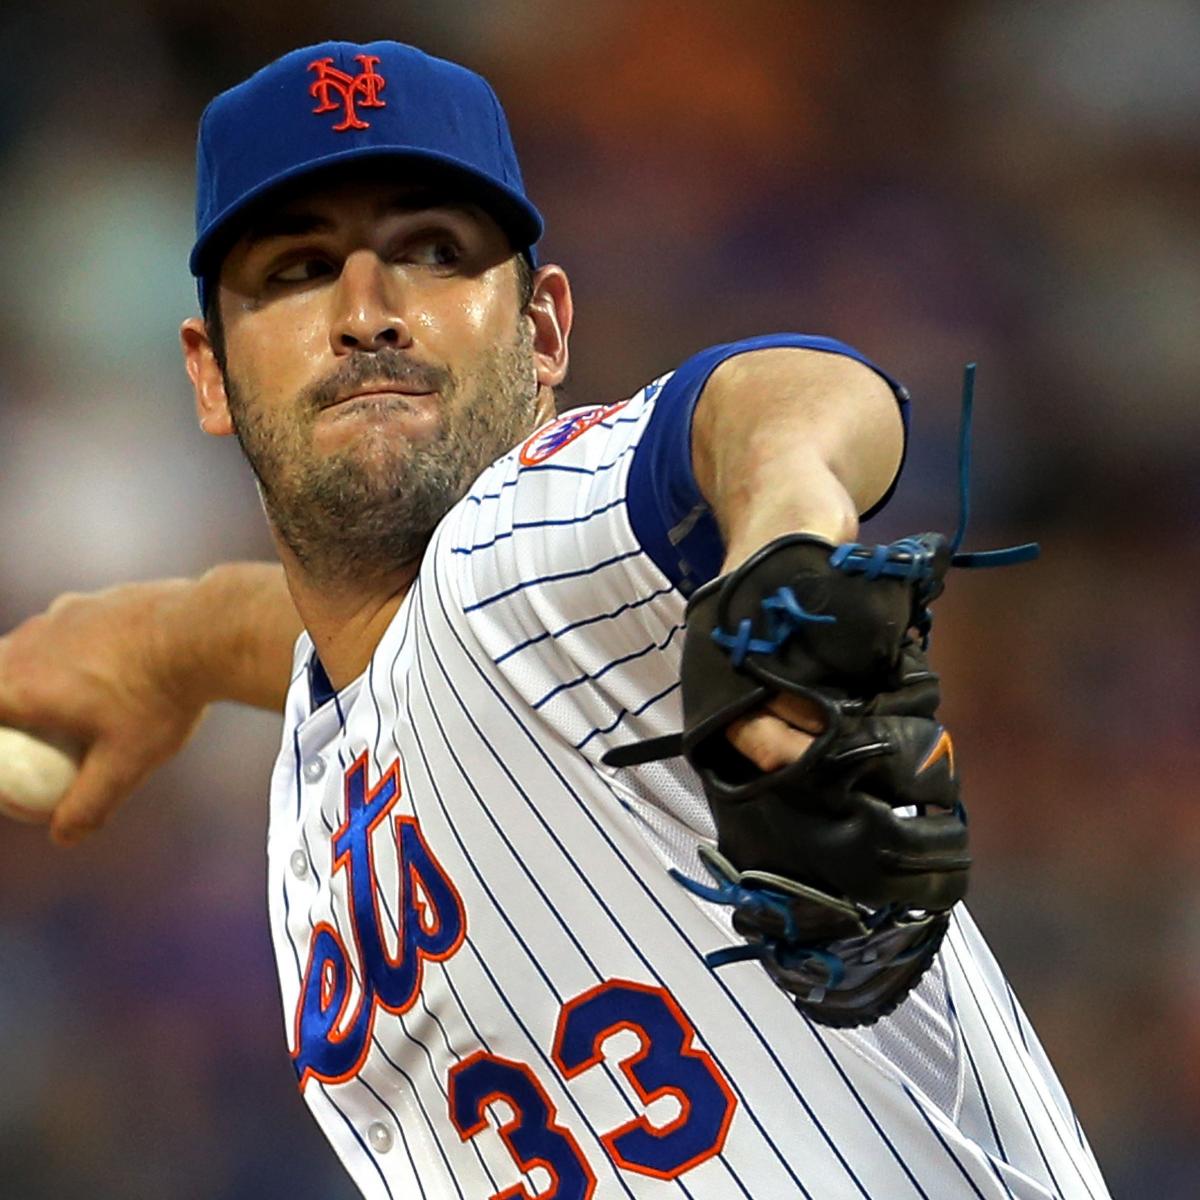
{"x": 491, "y": 985}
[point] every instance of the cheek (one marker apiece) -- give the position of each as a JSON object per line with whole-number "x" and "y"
{"x": 277, "y": 354}
{"x": 470, "y": 323}
{"x": 479, "y": 311}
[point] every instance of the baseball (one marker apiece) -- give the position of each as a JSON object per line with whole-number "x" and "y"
{"x": 35, "y": 773}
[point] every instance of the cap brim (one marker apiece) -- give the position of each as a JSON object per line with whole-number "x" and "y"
{"x": 511, "y": 210}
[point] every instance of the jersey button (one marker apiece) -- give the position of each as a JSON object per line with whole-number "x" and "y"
{"x": 314, "y": 769}
{"x": 380, "y": 1137}
{"x": 299, "y": 864}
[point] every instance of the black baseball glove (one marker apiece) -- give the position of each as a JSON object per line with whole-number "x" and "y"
{"x": 842, "y": 866}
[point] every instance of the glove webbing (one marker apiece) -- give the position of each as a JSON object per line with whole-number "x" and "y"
{"x": 764, "y": 900}
{"x": 860, "y": 972}
{"x": 785, "y": 614}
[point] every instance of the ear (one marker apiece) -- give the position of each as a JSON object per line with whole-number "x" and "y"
{"x": 208, "y": 384}
{"x": 552, "y": 311}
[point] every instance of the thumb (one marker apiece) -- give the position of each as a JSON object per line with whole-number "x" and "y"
{"x": 103, "y": 782}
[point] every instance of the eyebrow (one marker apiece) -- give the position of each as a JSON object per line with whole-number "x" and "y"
{"x": 286, "y": 224}
{"x": 300, "y": 223}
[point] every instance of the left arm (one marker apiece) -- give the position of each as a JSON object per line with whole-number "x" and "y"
{"x": 841, "y": 859}
{"x": 787, "y": 440}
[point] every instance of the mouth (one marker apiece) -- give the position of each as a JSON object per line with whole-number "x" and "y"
{"x": 378, "y": 394}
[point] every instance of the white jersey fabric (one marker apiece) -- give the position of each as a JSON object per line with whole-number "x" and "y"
{"x": 491, "y": 984}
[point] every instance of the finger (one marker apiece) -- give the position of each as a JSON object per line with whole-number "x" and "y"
{"x": 10, "y": 692}
{"x": 102, "y": 784}
{"x": 28, "y": 696}
{"x": 799, "y": 711}
{"x": 767, "y": 741}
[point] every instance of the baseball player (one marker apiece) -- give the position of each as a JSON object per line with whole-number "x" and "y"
{"x": 504, "y": 962}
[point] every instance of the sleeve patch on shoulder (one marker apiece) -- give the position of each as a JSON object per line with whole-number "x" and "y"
{"x": 563, "y": 430}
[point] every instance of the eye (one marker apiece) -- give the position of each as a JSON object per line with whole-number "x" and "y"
{"x": 433, "y": 250}
{"x": 302, "y": 270}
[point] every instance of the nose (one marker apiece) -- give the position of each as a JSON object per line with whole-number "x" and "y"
{"x": 368, "y": 310}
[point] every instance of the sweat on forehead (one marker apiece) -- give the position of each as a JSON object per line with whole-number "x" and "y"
{"x": 338, "y": 104}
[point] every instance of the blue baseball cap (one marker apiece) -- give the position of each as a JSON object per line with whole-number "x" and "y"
{"x": 340, "y": 102}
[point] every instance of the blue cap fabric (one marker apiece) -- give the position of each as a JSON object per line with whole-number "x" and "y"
{"x": 337, "y": 102}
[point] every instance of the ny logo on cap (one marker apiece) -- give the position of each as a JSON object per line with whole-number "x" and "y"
{"x": 362, "y": 88}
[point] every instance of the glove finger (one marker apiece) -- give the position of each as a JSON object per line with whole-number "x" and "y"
{"x": 879, "y": 857}
{"x": 914, "y": 765}
{"x": 850, "y": 843}
{"x": 925, "y": 864}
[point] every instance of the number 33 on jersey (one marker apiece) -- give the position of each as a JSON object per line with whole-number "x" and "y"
{"x": 684, "y": 1105}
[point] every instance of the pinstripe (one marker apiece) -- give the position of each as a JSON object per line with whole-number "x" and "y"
{"x": 589, "y": 736}
{"x": 820, "y": 1040}
{"x": 638, "y": 881}
{"x": 1039, "y": 1088}
{"x": 616, "y": 662}
{"x": 944, "y": 1144}
{"x": 1016, "y": 1012}
{"x": 555, "y": 578}
{"x": 550, "y": 467}
{"x": 435, "y": 1075}
{"x": 966, "y": 1043}
{"x": 500, "y": 909}
{"x": 378, "y": 1044}
{"x": 991, "y": 1161}
{"x": 612, "y": 422}
{"x": 1003, "y": 1065}
{"x": 534, "y": 741}
{"x": 413, "y": 796}
{"x": 299, "y": 786}
{"x": 1034, "y": 1083}
{"x": 520, "y": 861}
{"x": 628, "y": 712}
{"x": 546, "y": 524}
{"x": 451, "y": 1174}
{"x": 538, "y": 468}
{"x": 1083, "y": 1142}
{"x": 287, "y": 907}
{"x": 608, "y": 616}
{"x": 448, "y": 973}
{"x": 517, "y": 858}
{"x": 366, "y": 1150}
{"x": 355, "y": 968}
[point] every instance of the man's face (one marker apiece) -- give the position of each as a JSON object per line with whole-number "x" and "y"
{"x": 377, "y": 358}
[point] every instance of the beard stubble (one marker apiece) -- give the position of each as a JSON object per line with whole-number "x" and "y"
{"x": 358, "y": 513}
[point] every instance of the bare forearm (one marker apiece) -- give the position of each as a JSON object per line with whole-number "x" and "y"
{"x": 126, "y": 673}
{"x": 787, "y": 440}
{"x": 229, "y": 634}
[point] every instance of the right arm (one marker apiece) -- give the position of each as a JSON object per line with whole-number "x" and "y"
{"x": 128, "y": 672}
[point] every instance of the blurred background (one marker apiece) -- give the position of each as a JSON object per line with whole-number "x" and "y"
{"x": 933, "y": 182}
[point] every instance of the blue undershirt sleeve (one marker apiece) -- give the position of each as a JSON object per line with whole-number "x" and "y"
{"x": 669, "y": 516}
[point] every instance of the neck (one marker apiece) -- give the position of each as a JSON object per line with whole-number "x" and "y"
{"x": 346, "y": 622}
